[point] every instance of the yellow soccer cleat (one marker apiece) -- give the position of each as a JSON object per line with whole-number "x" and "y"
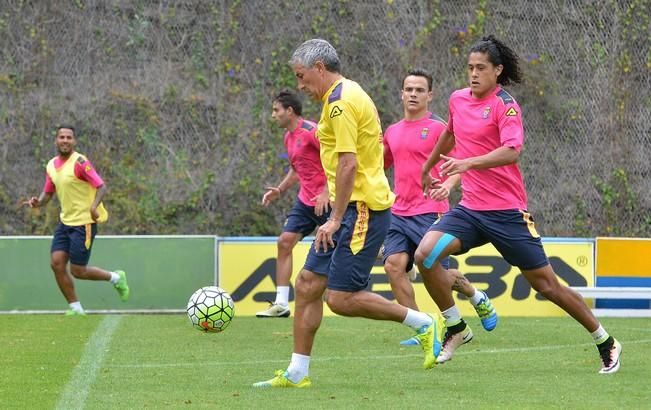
{"x": 71, "y": 312}
{"x": 122, "y": 287}
{"x": 440, "y": 333}
{"x": 281, "y": 379}
{"x": 429, "y": 338}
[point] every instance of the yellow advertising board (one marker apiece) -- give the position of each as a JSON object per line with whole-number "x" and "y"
{"x": 247, "y": 270}
{"x": 628, "y": 257}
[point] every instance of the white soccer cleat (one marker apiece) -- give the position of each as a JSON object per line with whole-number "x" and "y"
{"x": 275, "y": 310}
{"x": 412, "y": 274}
{"x": 452, "y": 342}
{"x": 610, "y": 358}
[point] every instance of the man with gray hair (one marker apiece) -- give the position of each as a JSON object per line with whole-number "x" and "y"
{"x": 346, "y": 246}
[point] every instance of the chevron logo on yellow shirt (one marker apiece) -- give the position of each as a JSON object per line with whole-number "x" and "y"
{"x": 336, "y": 111}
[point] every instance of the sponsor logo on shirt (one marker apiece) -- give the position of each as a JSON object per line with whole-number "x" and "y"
{"x": 336, "y": 111}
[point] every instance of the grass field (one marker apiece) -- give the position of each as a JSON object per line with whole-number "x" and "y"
{"x": 159, "y": 361}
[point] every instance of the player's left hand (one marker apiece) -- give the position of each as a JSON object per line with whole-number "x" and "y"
{"x": 429, "y": 183}
{"x": 324, "y": 235}
{"x": 322, "y": 203}
{"x": 439, "y": 192}
{"x": 453, "y": 166}
{"x": 94, "y": 214}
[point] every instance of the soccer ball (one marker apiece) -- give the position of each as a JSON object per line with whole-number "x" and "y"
{"x": 210, "y": 309}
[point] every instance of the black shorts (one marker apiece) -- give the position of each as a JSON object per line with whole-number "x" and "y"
{"x": 302, "y": 219}
{"x": 511, "y": 231}
{"x": 357, "y": 243}
{"x": 405, "y": 233}
{"x": 76, "y": 241}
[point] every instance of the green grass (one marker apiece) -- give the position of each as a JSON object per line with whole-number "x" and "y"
{"x": 154, "y": 361}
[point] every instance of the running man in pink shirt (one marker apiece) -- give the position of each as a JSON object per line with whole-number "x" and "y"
{"x": 407, "y": 145}
{"x": 485, "y": 129}
{"x": 80, "y": 191}
{"x": 311, "y": 208}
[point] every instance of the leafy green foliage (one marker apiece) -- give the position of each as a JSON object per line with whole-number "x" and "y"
{"x": 172, "y": 100}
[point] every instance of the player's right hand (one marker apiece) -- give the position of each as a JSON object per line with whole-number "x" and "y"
{"x": 428, "y": 183}
{"x": 32, "y": 202}
{"x": 324, "y": 235}
{"x": 271, "y": 195}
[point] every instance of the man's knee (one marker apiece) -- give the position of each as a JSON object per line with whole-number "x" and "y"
{"x": 394, "y": 266}
{"x": 309, "y": 285}
{"x": 78, "y": 271}
{"x": 420, "y": 255}
{"x": 58, "y": 266}
{"x": 339, "y": 302}
{"x": 549, "y": 289}
{"x": 432, "y": 249}
{"x": 544, "y": 282}
{"x": 286, "y": 242}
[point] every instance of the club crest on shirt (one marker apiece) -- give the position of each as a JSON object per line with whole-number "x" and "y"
{"x": 423, "y": 133}
{"x": 299, "y": 142}
{"x": 486, "y": 113}
{"x": 336, "y": 111}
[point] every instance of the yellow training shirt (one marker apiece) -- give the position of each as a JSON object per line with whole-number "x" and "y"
{"x": 349, "y": 123}
{"x": 75, "y": 196}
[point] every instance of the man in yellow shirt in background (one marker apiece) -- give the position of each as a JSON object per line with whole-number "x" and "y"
{"x": 345, "y": 248}
{"x": 80, "y": 190}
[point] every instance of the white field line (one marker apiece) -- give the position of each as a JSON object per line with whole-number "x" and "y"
{"x": 83, "y": 376}
{"x": 361, "y": 358}
{"x": 95, "y": 312}
{"x": 640, "y": 329}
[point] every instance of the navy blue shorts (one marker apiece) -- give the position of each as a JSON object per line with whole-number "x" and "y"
{"x": 76, "y": 241}
{"x": 511, "y": 231}
{"x": 302, "y": 219}
{"x": 405, "y": 233}
{"x": 357, "y": 243}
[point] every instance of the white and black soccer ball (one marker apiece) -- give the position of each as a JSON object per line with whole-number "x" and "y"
{"x": 211, "y": 309}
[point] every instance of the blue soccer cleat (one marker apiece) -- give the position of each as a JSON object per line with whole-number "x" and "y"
{"x": 412, "y": 341}
{"x": 486, "y": 312}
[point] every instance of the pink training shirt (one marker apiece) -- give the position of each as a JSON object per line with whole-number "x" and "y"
{"x": 407, "y": 145}
{"x": 303, "y": 152}
{"x": 481, "y": 126}
{"x": 85, "y": 172}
